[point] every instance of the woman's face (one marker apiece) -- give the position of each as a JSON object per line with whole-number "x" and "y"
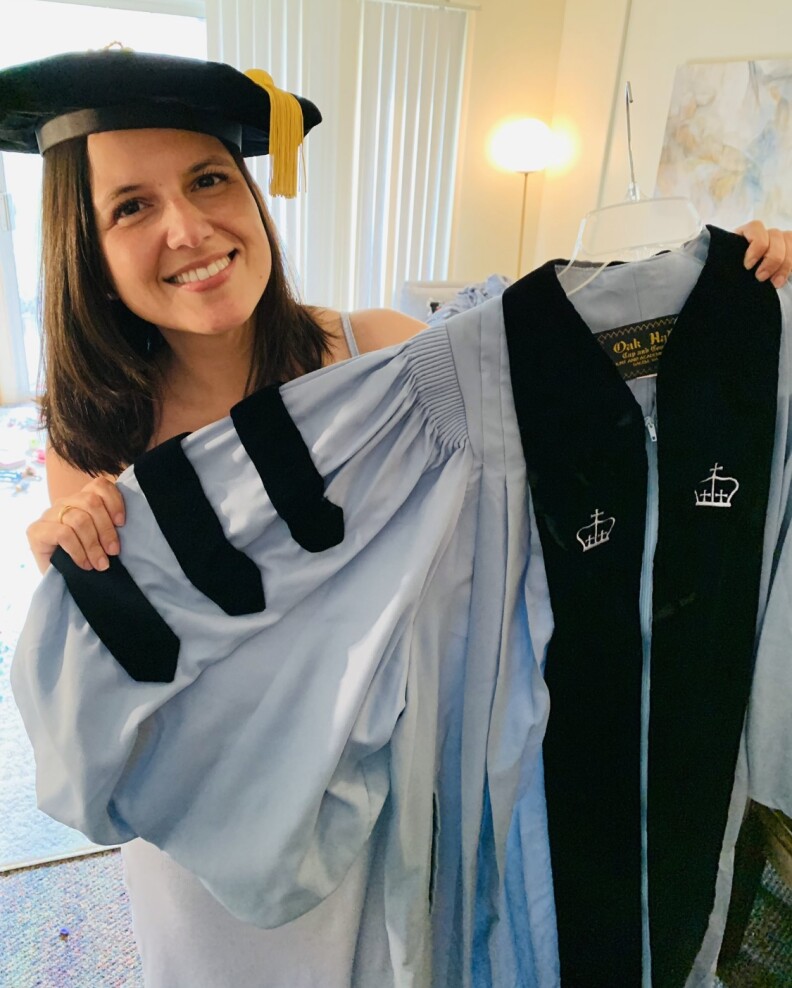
{"x": 179, "y": 228}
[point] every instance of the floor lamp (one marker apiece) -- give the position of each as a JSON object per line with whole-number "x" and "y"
{"x": 522, "y": 146}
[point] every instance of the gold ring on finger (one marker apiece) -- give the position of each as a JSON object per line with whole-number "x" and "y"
{"x": 62, "y": 512}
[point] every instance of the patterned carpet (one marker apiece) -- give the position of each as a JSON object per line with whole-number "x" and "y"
{"x": 26, "y": 834}
{"x": 67, "y": 925}
{"x": 765, "y": 958}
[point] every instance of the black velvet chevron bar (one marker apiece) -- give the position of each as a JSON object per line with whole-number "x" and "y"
{"x": 126, "y": 623}
{"x": 283, "y": 461}
{"x": 191, "y": 528}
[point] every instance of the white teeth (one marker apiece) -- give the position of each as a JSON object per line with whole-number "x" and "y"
{"x": 201, "y": 274}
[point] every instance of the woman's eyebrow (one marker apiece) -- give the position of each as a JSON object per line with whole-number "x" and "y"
{"x": 215, "y": 159}
{"x": 199, "y": 166}
{"x": 122, "y": 190}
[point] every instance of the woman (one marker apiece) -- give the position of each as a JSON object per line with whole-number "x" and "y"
{"x": 179, "y": 308}
{"x": 166, "y": 354}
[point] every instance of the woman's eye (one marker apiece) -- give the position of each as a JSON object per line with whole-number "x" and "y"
{"x": 209, "y": 179}
{"x": 125, "y": 209}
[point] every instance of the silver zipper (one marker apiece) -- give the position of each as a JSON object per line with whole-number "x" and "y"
{"x": 650, "y": 541}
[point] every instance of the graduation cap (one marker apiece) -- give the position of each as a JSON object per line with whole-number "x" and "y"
{"x": 55, "y": 99}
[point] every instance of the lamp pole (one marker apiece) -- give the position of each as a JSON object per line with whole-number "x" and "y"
{"x": 521, "y": 146}
{"x": 522, "y": 223}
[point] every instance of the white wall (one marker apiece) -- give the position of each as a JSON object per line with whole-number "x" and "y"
{"x": 513, "y": 65}
{"x": 590, "y": 89}
{"x": 588, "y": 69}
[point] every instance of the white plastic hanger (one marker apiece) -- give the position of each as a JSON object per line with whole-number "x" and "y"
{"x": 634, "y": 229}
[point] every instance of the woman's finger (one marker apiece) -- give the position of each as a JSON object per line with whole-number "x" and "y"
{"x": 84, "y": 525}
{"x": 770, "y": 249}
{"x": 756, "y": 234}
{"x": 100, "y": 508}
{"x": 774, "y": 257}
{"x": 45, "y": 537}
{"x": 110, "y": 495}
{"x": 89, "y": 521}
{"x": 781, "y": 276}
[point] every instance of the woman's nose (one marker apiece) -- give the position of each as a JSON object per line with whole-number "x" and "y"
{"x": 186, "y": 225}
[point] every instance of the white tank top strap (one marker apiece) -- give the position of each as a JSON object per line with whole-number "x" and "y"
{"x": 350, "y": 336}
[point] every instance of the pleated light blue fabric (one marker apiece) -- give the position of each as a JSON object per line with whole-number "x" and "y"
{"x": 356, "y": 710}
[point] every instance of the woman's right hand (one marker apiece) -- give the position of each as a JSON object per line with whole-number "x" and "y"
{"x": 83, "y": 524}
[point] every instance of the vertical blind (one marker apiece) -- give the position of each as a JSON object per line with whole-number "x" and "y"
{"x": 387, "y": 76}
{"x": 411, "y": 71}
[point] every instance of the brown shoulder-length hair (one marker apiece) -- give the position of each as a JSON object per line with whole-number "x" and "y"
{"x": 102, "y": 367}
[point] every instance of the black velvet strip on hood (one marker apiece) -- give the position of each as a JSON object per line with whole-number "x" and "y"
{"x": 194, "y": 533}
{"x": 283, "y": 461}
{"x": 123, "y": 619}
{"x": 584, "y": 441}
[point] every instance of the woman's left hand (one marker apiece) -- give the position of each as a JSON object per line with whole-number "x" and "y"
{"x": 772, "y": 247}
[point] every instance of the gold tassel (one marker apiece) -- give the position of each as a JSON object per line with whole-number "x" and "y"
{"x": 285, "y": 136}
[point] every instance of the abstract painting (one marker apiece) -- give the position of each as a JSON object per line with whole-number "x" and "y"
{"x": 728, "y": 141}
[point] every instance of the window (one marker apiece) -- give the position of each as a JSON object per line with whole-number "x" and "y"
{"x": 411, "y": 72}
{"x": 34, "y": 29}
{"x": 387, "y": 76}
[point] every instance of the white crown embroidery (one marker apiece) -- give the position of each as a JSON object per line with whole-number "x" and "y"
{"x": 598, "y": 533}
{"x": 718, "y": 492}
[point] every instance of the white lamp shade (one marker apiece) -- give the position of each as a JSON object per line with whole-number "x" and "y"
{"x": 524, "y": 145}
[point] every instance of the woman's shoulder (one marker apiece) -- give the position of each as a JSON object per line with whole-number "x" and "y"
{"x": 378, "y": 328}
{"x": 373, "y": 328}
{"x": 64, "y": 479}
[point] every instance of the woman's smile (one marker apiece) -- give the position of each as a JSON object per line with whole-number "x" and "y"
{"x": 205, "y": 275}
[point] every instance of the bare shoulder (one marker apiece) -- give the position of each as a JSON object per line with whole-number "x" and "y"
{"x": 378, "y": 328}
{"x": 373, "y": 329}
{"x": 63, "y": 479}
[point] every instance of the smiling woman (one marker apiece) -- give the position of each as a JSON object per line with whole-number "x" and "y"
{"x": 165, "y": 304}
{"x": 134, "y": 215}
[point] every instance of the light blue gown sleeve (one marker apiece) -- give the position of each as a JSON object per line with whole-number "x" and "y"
{"x": 264, "y": 766}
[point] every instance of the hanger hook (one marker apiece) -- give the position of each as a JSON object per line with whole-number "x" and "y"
{"x": 632, "y": 192}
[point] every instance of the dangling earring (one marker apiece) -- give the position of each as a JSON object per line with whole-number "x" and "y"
{"x": 111, "y": 297}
